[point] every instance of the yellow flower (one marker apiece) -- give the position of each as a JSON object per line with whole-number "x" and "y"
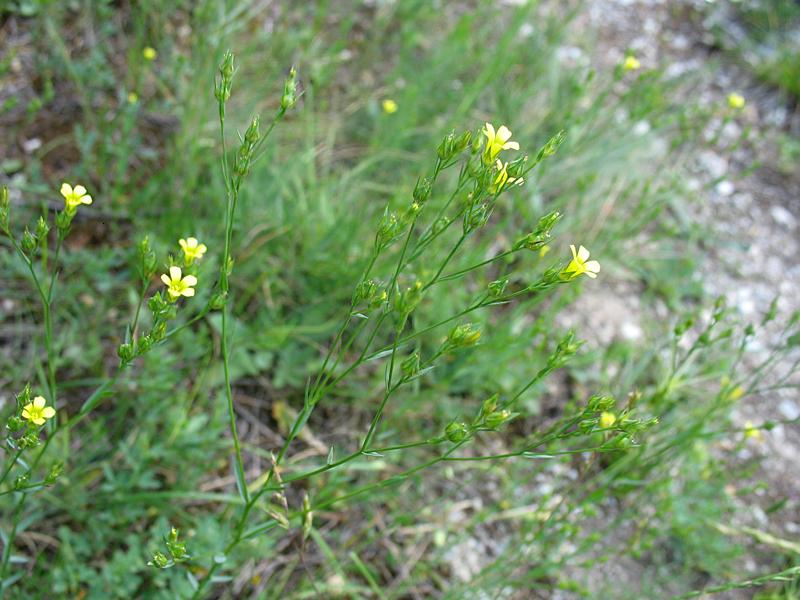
{"x": 192, "y": 249}
{"x": 631, "y": 63}
{"x": 389, "y": 106}
{"x": 607, "y": 419}
{"x": 133, "y": 98}
{"x": 579, "y": 265}
{"x": 74, "y": 196}
{"x": 752, "y": 432}
{"x": 736, "y": 100}
{"x": 496, "y": 141}
{"x": 149, "y": 53}
{"x": 737, "y": 392}
{"x": 36, "y": 412}
{"x": 502, "y": 178}
{"x": 177, "y": 285}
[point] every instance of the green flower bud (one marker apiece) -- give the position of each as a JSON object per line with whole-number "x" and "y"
{"x": 175, "y": 546}
{"x": 21, "y": 481}
{"x": 125, "y": 352}
{"x": 683, "y": 327}
{"x": 551, "y": 146}
{"x": 600, "y": 403}
{"x": 410, "y": 365}
{"x": 406, "y": 302}
{"x": 159, "y": 560}
{"x": 14, "y": 423}
{"x": 488, "y": 407}
{"x": 456, "y": 432}
{"x": 516, "y": 168}
{"x": 29, "y": 440}
{"x": 218, "y": 301}
{"x": 29, "y": 241}
{"x": 422, "y": 191}
{"x": 252, "y": 134}
{"x": 54, "y": 473}
{"x": 64, "y": 220}
{"x": 497, "y": 418}
{"x": 463, "y": 335}
{"x": 289, "y": 90}
{"x": 498, "y": 287}
{"x": 389, "y": 227}
{"x": 446, "y": 148}
{"x": 42, "y": 229}
{"x": 147, "y": 259}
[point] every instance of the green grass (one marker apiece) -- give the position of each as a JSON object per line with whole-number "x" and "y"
{"x": 156, "y": 452}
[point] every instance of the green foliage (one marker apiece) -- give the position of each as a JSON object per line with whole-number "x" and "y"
{"x": 379, "y": 356}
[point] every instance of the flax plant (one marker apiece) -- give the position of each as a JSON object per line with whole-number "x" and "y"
{"x": 377, "y": 322}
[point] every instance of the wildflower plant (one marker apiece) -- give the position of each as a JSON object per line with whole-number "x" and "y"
{"x": 379, "y": 326}
{"x": 38, "y": 419}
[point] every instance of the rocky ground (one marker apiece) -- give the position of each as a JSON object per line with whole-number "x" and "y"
{"x": 755, "y": 215}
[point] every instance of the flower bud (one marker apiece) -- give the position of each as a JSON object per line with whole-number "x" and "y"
{"x": 29, "y": 241}
{"x": 477, "y": 217}
{"x": 159, "y": 560}
{"x": 64, "y": 220}
{"x": 462, "y": 142}
{"x": 516, "y": 168}
{"x": 218, "y": 301}
{"x": 222, "y": 88}
{"x": 125, "y": 352}
{"x": 54, "y": 473}
{"x": 422, "y": 191}
{"x": 683, "y": 327}
{"x": 446, "y": 148}
{"x": 147, "y": 259}
{"x": 29, "y": 440}
{"x": 252, "y": 134}
{"x": 463, "y": 335}
{"x": 456, "y": 431}
{"x": 21, "y": 481}
{"x": 14, "y": 423}
{"x": 406, "y": 302}
{"x": 388, "y": 229}
{"x": 497, "y": 418}
{"x": 410, "y": 365}
{"x": 488, "y": 407}
{"x": 551, "y": 146}
{"x": 599, "y": 403}
{"x": 175, "y": 546}
{"x": 498, "y": 287}
{"x": 42, "y": 229}
{"x": 289, "y": 90}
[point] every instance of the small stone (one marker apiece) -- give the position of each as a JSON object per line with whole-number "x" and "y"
{"x": 725, "y": 188}
{"x": 782, "y": 216}
{"x": 789, "y": 410}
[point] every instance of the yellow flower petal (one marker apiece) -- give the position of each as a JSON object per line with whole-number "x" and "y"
{"x": 66, "y": 189}
{"x": 165, "y": 279}
{"x": 175, "y": 273}
{"x": 49, "y": 412}
{"x": 190, "y": 280}
{"x": 39, "y": 402}
{"x": 583, "y": 253}
{"x": 188, "y": 292}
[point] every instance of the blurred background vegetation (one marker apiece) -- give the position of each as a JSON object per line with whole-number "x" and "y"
{"x": 81, "y": 102}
